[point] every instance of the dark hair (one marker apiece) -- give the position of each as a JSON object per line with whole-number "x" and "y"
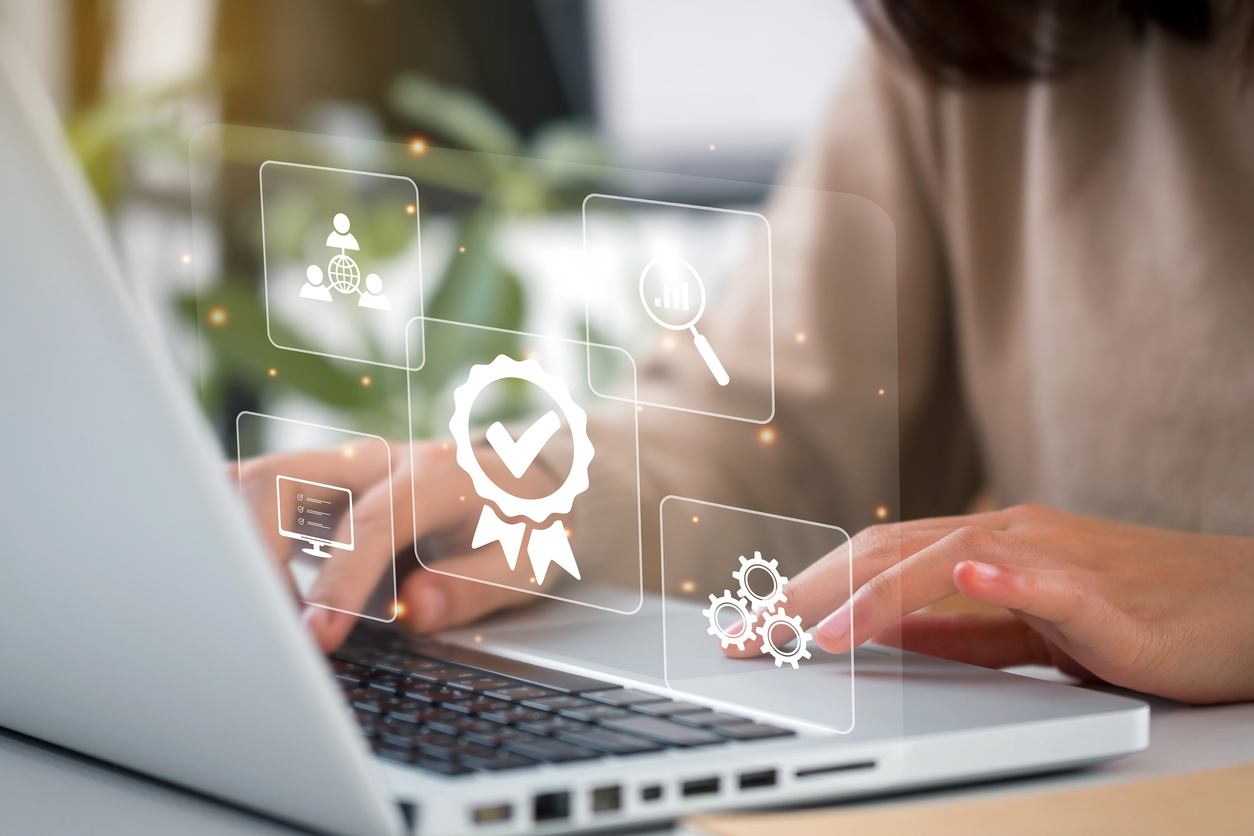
{"x": 965, "y": 41}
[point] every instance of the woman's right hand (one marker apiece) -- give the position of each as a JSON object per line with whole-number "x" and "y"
{"x": 433, "y": 497}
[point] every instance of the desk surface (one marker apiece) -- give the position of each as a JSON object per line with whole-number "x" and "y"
{"x": 44, "y": 791}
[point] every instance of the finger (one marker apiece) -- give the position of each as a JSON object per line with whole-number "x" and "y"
{"x": 827, "y": 583}
{"x": 990, "y": 640}
{"x": 922, "y": 579}
{"x": 461, "y": 589}
{"x": 407, "y": 507}
{"x": 1054, "y": 602}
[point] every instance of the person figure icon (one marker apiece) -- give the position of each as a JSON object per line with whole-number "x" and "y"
{"x": 373, "y": 297}
{"x": 313, "y": 287}
{"x": 341, "y": 237}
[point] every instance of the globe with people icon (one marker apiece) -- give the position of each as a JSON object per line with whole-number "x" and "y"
{"x": 343, "y": 274}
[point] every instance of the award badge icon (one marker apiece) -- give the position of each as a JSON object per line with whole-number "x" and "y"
{"x": 545, "y": 545}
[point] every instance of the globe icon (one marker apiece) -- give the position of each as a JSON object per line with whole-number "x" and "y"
{"x": 343, "y": 273}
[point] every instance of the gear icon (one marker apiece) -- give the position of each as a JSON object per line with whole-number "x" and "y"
{"x": 776, "y": 595}
{"x": 727, "y": 601}
{"x": 792, "y": 623}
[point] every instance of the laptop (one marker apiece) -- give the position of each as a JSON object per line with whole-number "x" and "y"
{"x": 145, "y": 626}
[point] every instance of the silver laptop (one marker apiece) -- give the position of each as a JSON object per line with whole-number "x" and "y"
{"x": 143, "y": 623}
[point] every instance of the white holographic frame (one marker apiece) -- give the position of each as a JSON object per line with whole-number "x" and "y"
{"x": 635, "y": 439}
{"x": 770, "y": 302}
{"x": 265, "y": 267}
{"x": 731, "y": 706}
{"x": 239, "y": 458}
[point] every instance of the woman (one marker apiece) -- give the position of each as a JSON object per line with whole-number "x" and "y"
{"x": 1070, "y": 185}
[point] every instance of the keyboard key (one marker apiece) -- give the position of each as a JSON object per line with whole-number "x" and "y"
{"x": 664, "y": 731}
{"x": 437, "y": 744}
{"x": 710, "y": 718}
{"x": 471, "y": 703}
{"x": 393, "y": 754}
{"x": 611, "y": 742}
{"x": 391, "y": 662}
{"x": 553, "y": 724}
{"x": 517, "y": 693}
{"x": 415, "y": 689}
{"x": 513, "y": 669}
{"x": 549, "y": 750}
{"x": 514, "y": 714}
{"x": 479, "y": 683}
{"x": 486, "y": 758}
{"x": 442, "y": 674}
{"x": 482, "y": 731}
{"x": 412, "y": 666}
{"x": 389, "y": 682}
{"x": 440, "y": 766}
{"x": 361, "y": 655}
{"x": 421, "y": 714}
{"x": 558, "y": 702}
{"x": 624, "y": 697}
{"x": 752, "y": 731}
{"x": 668, "y": 707}
{"x": 595, "y": 713}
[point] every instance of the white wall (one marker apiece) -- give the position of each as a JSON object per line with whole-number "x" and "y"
{"x": 750, "y": 77}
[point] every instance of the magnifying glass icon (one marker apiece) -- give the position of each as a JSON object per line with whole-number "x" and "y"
{"x": 666, "y": 293}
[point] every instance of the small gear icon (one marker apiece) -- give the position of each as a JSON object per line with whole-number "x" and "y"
{"x": 776, "y": 595}
{"x": 792, "y": 623}
{"x": 742, "y": 610}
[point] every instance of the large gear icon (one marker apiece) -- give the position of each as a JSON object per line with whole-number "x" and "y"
{"x": 776, "y": 594}
{"x": 792, "y": 623}
{"x": 742, "y": 609}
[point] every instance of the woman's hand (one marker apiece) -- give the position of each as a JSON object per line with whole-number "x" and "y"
{"x": 1158, "y": 611}
{"x": 433, "y": 498}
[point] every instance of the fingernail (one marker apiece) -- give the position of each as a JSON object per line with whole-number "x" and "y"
{"x": 430, "y": 608}
{"x": 835, "y": 627}
{"x": 316, "y": 620}
{"x": 985, "y": 571}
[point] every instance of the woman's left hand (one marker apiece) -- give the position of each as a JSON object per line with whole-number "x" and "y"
{"x": 1158, "y": 611}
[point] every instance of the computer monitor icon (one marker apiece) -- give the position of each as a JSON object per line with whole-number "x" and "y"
{"x": 315, "y": 513}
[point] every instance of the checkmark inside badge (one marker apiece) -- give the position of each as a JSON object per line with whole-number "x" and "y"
{"x": 518, "y": 455}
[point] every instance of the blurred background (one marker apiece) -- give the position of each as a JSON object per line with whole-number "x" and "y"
{"x": 725, "y": 89}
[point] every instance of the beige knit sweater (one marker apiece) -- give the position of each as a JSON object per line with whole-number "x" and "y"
{"x": 1075, "y": 292}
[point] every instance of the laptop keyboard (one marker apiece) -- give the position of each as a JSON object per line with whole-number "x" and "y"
{"x": 457, "y": 711}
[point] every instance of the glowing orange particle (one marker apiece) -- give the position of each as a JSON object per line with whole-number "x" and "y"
{"x": 478, "y": 639}
{"x": 365, "y": 380}
{"x": 399, "y": 609}
{"x": 418, "y": 146}
{"x": 411, "y": 209}
{"x": 273, "y": 372}
{"x": 801, "y": 336}
{"x": 767, "y": 436}
{"x": 217, "y": 316}
{"x": 688, "y": 587}
{"x": 881, "y": 391}
{"x": 461, "y": 249}
{"x": 696, "y": 519}
{"x": 187, "y": 259}
{"x": 881, "y": 512}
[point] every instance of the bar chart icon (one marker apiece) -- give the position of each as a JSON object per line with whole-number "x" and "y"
{"x": 674, "y": 296}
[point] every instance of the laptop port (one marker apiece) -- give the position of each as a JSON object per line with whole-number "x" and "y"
{"x": 651, "y": 793}
{"x": 836, "y": 767}
{"x": 495, "y": 813}
{"x": 605, "y": 799}
{"x": 765, "y": 778}
{"x": 702, "y": 786}
{"x": 552, "y": 805}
